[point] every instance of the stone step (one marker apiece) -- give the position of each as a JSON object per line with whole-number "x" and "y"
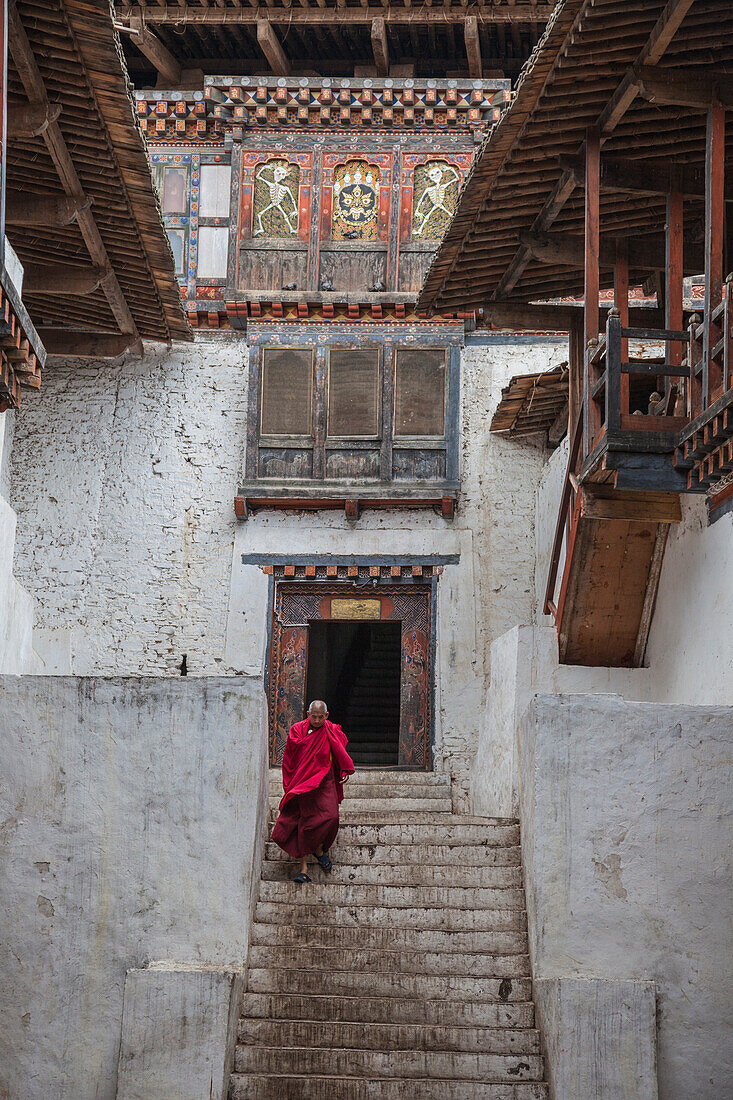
{"x": 444, "y": 918}
{"x": 398, "y": 1010}
{"x": 382, "y": 1036}
{"x": 360, "y": 874}
{"x": 403, "y": 855}
{"x": 353, "y": 983}
{"x": 362, "y": 791}
{"x": 390, "y": 1063}
{"x": 383, "y": 775}
{"x": 308, "y": 1087}
{"x": 351, "y": 938}
{"x": 325, "y": 893}
{"x": 360, "y": 807}
{"x": 431, "y": 821}
{"x": 406, "y": 834}
{"x": 431, "y": 963}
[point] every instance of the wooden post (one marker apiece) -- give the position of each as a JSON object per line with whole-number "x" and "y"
{"x": 592, "y": 279}
{"x": 714, "y": 210}
{"x": 473, "y": 47}
{"x": 613, "y": 370}
{"x": 621, "y": 302}
{"x": 673, "y": 298}
{"x": 380, "y": 45}
{"x": 576, "y": 344}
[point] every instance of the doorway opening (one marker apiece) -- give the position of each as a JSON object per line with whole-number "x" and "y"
{"x": 355, "y": 668}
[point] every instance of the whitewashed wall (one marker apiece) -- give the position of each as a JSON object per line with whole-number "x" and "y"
{"x": 123, "y": 477}
{"x": 133, "y": 818}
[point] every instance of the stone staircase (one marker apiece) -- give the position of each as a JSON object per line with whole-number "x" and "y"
{"x": 404, "y": 973}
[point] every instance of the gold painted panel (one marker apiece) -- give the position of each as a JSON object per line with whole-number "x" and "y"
{"x": 355, "y": 201}
{"x": 275, "y": 207}
{"x": 355, "y": 609}
{"x": 435, "y": 194}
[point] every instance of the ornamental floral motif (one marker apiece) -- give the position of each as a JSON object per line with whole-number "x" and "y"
{"x": 435, "y": 195}
{"x": 276, "y": 199}
{"x": 355, "y": 201}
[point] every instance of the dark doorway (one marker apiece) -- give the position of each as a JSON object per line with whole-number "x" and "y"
{"x": 355, "y": 667}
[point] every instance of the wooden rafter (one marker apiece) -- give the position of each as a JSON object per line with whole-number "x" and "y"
{"x": 173, "y": 14}
{"x": 156, "y": 52}
{"x": 32, "y": 81}
{"x": 662, "y": 34}
{"x": 270, "y": 45}
{"x": 40, "y": 209}
{"x": 380, "y": 46}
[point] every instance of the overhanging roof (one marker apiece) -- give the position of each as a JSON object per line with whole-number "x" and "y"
{"x": 581, "y": 75}
{"x": 65, "y": 54}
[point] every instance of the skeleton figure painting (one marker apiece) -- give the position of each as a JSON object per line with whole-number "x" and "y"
{"x": 276, "y": 199}
{"x": 355, "y": 201}
{"x": 434, "y": 199}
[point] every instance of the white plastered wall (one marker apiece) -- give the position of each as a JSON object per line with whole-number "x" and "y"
{"x": 124, "y": 475}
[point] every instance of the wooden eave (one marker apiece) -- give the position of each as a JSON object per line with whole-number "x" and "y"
{"x": 79, "y": 61}
{"x": 588, "y": 48}
{"x": 532, "y": 402}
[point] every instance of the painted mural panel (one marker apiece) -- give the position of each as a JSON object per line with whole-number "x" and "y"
{"x": 434, "y": 199}
{"x": 275, "y": 212}
{"x": 355, "y": 201}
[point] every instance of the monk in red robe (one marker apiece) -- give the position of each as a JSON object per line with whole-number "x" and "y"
{"x": 315, "y": 767}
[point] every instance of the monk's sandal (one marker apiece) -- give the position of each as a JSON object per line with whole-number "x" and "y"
{"x": 325, "y": 862}
{"x": 302, "y": 877}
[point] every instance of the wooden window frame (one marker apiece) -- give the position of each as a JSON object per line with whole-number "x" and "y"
{"x": 298, "y": 440}
{"x": 375, "y": 438}
{"x": 320, "y": 444}
{"x": 422, "y": 440}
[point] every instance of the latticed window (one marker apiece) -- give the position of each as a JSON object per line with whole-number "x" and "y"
{"x": 420, "y": 385}
{"x": 353, "y": 393}
{"x": 373, "y": 413}
{"x": 287, "y": 392}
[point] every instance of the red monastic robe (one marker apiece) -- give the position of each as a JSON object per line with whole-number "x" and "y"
{"x": 313, "y": 764}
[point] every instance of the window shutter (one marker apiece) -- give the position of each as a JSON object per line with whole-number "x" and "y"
{"x": 287, "y": 391}
{"x": 353, "y": 394}
{"x": 420, "y": 392}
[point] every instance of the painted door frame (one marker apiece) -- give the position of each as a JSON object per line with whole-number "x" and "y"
{"x": 296, "y": 604}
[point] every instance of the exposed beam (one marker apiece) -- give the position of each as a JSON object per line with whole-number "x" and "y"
{"x": 156, "y": 52}
{"x": 28, "y": 120}
{"x": 680, "y": 87}
{"x": 84, "y": 343}
{"x": 39, "y": 209}
{"x": 380, "y": 45}
{"x": 473, "y": 47}
{"x": 662, "y": 34}
{"x": 515, "y": 315}
{"x": 32, "y": 81}
{"x": 268, "y": 42}
{"x": 291, "y": 16}
{"x": 647, "y": 177}
{"x": 567, "y": 250}
{"x": 61, "y": 279}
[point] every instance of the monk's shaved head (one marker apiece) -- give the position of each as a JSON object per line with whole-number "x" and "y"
{"x": 317, "y": 713}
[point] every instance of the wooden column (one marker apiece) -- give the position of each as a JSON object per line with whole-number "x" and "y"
{"x": 621, "y": 301}
{"x": 714, "y": 212}
{"x": 576, "y": 344}
{"x": 673, "y": 297}
{"x": 592, "y": 423}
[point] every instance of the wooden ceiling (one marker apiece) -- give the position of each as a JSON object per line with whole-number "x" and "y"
{"x": 617, "y": 64}
{"x": 331, "y": 37}
{"x": 81, "y": 210}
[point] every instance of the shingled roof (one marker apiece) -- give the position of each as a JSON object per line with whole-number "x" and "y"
{"x": 604, "y": 63}
{"x": 91, "y": 155}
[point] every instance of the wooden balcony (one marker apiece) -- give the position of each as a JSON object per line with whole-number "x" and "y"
{"x": 626, "y": 471}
